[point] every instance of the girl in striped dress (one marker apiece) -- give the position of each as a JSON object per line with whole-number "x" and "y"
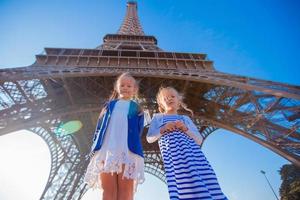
{"x": 188, "y": 173}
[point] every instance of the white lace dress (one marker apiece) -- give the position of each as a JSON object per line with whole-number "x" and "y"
{"x": 114, "y": 151}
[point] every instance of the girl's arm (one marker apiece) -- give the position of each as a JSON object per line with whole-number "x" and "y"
{"x": 99, "y": 121}
{"x": 141, "y": 122}
{"x": 154, "y": 130}
{"x": 97, "y": 130}
{"x": 192, "y": 131}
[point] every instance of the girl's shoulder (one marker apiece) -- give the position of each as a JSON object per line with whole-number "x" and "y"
{"x": 186, "y": 117}
{"x": 108, "y": 102}
{"x": 161, "y": 115}
{"x": 139, "y": 108}
{"x": 157, "y": 117}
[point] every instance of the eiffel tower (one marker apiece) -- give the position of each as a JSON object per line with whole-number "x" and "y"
{"x": 59, "y": 98}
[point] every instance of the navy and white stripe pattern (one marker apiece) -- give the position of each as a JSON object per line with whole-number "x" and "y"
{"x": 188, "y": 173}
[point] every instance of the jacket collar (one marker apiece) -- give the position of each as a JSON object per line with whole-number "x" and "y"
{"x": 133, "y": 107}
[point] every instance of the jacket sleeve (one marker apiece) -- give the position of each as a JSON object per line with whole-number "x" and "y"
{"x": 154, "y": 130}
{"x": 193, "y": 130}
{"x": 98, "y": 126}
{"x": 99, "y": 122}
{"x": 141, "y": 122}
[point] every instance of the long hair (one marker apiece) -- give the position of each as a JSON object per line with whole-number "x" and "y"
{"x": 159, "y": 99}
{"x": 114, "y": 95}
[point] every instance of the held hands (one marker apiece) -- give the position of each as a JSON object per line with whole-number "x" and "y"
{"x": 181, "y": 126}
{"x": 173, "y": 126}
{"x": 169, "y": 127}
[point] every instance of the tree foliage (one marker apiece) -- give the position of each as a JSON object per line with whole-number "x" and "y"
{"x": 290, "y": 186}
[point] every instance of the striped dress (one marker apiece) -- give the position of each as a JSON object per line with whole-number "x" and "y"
{"x": 188, "y": 173}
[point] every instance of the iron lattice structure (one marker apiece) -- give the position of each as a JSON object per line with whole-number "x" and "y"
{"x": 72, "y": 84}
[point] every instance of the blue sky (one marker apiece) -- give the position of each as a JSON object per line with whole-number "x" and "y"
{"x": 253, "y": 38}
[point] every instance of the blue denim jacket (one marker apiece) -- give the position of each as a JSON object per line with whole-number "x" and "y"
{"x": 135, "y": 128}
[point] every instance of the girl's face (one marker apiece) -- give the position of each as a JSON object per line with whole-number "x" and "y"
{"x": 170, "y": 100}
{"x": 126, "y": 88}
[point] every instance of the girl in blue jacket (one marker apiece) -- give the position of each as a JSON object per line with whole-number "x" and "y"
{"x": 188, "y": 173}
{"x": 117, "y": 164}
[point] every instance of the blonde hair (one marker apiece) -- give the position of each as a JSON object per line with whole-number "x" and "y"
{"x": 114, "y": 94}
{"x": 159, "y": 99}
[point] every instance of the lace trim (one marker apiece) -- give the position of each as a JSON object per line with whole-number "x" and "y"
{"x": 112, "y": 163}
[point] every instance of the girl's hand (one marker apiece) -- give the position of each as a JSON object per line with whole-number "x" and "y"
{"x": 181, "y": 126}
{"x": 169, "y": 127}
